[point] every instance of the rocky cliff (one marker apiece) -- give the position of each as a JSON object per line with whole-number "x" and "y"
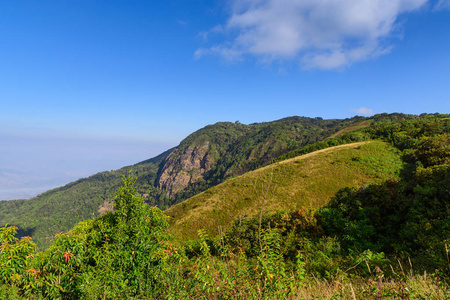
{"x": 184, "y": 167}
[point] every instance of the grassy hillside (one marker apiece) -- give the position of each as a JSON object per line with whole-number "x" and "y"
{"x": 305, "y": 181}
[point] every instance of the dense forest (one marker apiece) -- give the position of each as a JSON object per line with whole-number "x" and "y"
{"x": 388, "y": 240}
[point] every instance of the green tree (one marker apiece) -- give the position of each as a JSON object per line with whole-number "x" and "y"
{"x": 434, "y": 150}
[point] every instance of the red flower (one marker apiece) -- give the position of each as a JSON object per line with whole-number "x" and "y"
{"x": 68, "y": 256}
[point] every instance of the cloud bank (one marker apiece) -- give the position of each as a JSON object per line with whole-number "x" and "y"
{"x": 324, "y": 34}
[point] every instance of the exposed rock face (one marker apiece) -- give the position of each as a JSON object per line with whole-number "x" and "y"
{"x": 182, "y": 169}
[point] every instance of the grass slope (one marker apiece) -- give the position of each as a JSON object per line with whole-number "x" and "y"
{"x": 307, "y": 181}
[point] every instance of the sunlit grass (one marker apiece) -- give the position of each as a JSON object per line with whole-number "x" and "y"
{"x": 307, "y": 181}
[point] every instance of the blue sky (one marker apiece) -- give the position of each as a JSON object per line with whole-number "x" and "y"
{"x": 87, "y": 86}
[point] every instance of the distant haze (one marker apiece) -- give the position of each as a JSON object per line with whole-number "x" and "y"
{"x": 30, "y": 165}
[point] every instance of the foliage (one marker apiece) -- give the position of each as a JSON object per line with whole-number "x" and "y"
{"x": 120, "y": 254}
{"x": 409, "y": 216}
{"x": 126, "y": 247}
{"x": 434, "y": 150}
{"x": 15, "y": 255}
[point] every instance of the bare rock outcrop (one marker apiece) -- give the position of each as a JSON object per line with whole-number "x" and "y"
{"x": 182, "y": 168}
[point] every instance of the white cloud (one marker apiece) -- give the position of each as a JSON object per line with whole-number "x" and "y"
{"x": 363, "y": 111}
{"x": 324, "y": 34}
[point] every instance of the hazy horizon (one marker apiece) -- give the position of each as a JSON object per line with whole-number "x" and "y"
{"x": 28, "y": 170}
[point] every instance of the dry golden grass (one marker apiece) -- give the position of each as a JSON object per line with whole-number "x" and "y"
{"x": 412, "y": 287}
{"x": 307, "y": 181}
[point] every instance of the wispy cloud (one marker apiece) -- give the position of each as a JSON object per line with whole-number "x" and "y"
{"x": 442, "y": 4}
{"x": 324, "y": 34}
{"x": 229, "y": 54}
{"x": 363, "y": 111}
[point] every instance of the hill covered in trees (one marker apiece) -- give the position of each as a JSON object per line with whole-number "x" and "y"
{"x": 387, "y": 239}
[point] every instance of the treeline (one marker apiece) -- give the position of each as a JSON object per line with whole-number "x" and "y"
{"x": 402, "y": 131}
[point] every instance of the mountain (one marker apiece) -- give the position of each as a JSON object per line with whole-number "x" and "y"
{"x": 204, "y": 159}
{"x": 216, "y": 152}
